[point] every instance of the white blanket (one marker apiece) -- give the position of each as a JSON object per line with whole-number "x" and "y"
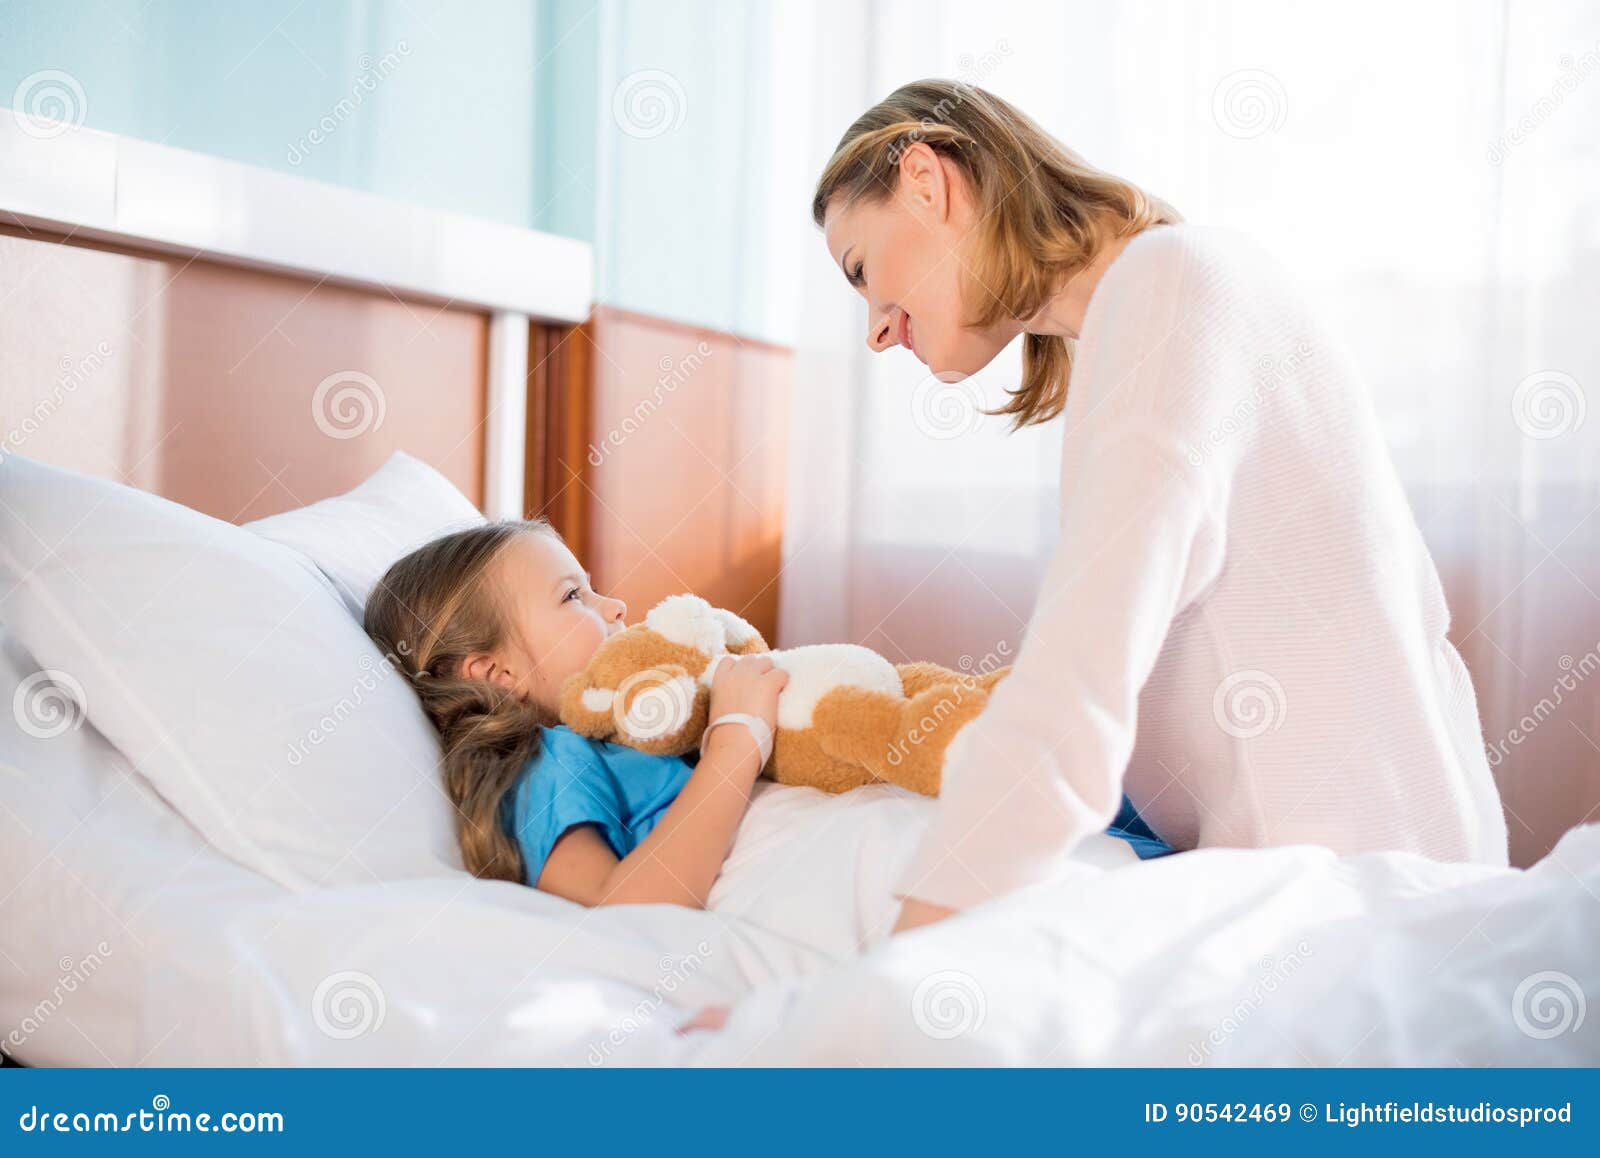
{"x": 1280, "y": 956}
{"x": 1286, "y": 956}
{"x": 820, "y": 869}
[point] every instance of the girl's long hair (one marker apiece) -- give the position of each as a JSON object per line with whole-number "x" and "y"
{"x": 431, "y": 610}
{"x": 1043, "y": 211}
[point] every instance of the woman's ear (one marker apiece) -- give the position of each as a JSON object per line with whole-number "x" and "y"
{"x": 924, "y": 184}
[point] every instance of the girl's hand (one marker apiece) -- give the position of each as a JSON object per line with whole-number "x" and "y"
{"x": 747, "y": 683}
{"x": 711, "y": 1017}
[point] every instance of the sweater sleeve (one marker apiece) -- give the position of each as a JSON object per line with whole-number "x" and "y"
{"x": 1141, "y": 537}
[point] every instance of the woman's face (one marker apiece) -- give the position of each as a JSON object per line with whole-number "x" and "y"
{"x": 905, "y": 255}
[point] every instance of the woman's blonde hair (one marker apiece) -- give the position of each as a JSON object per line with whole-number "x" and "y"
{"x": 432, "y": 610}
{"x": 1043, "y": 211}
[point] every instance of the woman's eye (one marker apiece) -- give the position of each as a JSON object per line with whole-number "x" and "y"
{"x": 569, "y": 595}
{"x": 856, "y": 277}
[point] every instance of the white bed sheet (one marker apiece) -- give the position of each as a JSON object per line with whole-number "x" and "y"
{"x": 1370, "y": 960}
{"x": 1225, "y": 957}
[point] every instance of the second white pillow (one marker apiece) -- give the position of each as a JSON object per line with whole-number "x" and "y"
{"x": 354, "y": 537}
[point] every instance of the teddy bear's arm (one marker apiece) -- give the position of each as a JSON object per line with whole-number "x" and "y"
{"x": 899, "y": 740}
{"x": 918, "y": 677}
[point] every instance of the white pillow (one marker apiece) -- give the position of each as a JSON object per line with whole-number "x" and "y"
{"x": 220, "y": 664}
{"x": 354, "y": 537}
{"x": 90, "y": 854}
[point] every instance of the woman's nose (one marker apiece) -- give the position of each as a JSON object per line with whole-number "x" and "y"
{"x": 883, "y": 333}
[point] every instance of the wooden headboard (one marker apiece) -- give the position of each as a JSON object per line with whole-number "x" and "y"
{"x": 244, "y": 342}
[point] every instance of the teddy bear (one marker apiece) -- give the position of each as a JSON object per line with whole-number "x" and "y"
{"x": 846, "y": 717}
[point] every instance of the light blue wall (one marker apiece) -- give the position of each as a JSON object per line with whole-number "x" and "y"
{"x": 682, "y": 157}
{"x": 566, "y": 51}
{"x": 505, "y": 109}
{"x": 430, "y": 102}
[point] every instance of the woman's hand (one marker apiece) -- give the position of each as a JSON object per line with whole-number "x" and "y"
{"x": 915, "y": 913}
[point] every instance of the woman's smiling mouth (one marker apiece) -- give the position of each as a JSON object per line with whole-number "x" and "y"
{"x": 907, "y": 339}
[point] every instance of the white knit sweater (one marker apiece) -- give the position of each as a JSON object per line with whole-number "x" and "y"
{"x": 1240, "y": 627}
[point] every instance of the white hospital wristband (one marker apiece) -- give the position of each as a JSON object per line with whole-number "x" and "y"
{"x": 757, "y": 726}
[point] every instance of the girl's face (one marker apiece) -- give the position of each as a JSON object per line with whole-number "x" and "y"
{"x": 554, "y": 620}
{"x": 904, "y": 255}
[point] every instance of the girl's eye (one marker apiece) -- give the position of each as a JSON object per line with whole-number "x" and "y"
{"x": 569, "y": 594}
{"x": 856, "y": 278}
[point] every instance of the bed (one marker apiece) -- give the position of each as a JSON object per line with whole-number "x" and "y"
{"x": 230, "y": 397}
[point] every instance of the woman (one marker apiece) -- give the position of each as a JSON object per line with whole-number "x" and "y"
{"x": 1241, "y": 626}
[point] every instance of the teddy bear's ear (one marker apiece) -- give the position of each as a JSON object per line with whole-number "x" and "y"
{"x": 741, "y": 637}
{"x": 587, "y": 709}
{"x": 690, "y": 621}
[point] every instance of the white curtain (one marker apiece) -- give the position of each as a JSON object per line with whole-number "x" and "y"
{"x": 1431, "y": 171}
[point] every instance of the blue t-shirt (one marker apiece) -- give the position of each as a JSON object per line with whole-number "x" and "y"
{"x": 1128, "y": 825}
{"x": 574, "y": 780}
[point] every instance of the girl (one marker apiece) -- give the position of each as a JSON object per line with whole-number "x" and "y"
{"x": 1241, "y": 624}
{"x": 487, "y": 624}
